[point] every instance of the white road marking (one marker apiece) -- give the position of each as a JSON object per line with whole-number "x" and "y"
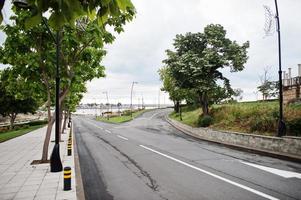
{"x": 122, "y": 137}
{"x": 213, "y": 175}
{"x": 156, "y": 114}
{"x": 108, "y": 131}
{"x": 279, "y": 172}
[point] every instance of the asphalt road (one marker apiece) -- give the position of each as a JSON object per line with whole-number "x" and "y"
{"x": 148, "y": 159}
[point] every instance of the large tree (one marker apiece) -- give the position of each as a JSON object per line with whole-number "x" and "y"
{"x": 31, "y": 52}
{"x": 198, "y": 58}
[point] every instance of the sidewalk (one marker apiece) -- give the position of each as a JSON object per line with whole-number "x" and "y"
{"x": 20, "y": 180}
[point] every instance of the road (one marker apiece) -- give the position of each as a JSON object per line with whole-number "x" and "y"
{"x": 148, "y": 159}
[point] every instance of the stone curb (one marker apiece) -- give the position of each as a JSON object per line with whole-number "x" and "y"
{"x": 278, "y": 155}
{"x": 80, "y": 194}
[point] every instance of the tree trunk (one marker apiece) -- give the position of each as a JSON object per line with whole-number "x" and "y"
{"x": 177, "y": 106}
{"x": 204, "y": 103}
{"x": 12, "y": 120}
{"x": 65, "y": 119}
{"x": 47, "y": 139}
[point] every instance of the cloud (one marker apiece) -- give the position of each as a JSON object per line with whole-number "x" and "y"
{"x": 137, "y": 53}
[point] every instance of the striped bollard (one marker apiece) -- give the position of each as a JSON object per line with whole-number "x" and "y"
{"x": 67, "y": 178}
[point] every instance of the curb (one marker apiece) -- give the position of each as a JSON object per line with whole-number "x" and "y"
{"x": 238, "y": 147}
{"x": 80, "y": 194}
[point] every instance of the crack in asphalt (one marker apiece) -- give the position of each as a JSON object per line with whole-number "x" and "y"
{"x": 152, "y": 183}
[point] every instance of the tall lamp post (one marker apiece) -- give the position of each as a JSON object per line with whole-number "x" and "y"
{"x": 55, "y": 159}
{"x": 281, "y": 123}
{"x": 108, "y": 104}
{"x": 132, "y": 97}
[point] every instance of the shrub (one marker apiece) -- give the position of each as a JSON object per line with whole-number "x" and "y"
{"x": 34, "y": 123}
{"x": 126, "y": 113}
{"x": 294, "y": 127}
{"x": 205, "y": 121}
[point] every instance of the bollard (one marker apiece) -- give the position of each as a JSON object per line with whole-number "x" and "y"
{"x": 67, "y": 178}
{"x": 69, "y": 149}
{"x": 68, "y": 124}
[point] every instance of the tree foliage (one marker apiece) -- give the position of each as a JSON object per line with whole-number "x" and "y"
{"x": 114, "y": 13}
{"x": 13, "y": 98}
{"x": 198, "y": 58}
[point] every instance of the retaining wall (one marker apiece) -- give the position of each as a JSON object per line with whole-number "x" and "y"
{"x": 290, "y": 146}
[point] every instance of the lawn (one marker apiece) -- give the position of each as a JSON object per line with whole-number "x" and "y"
{"x": 249, "y": 117}
{"x": 4, "y": 136}
{"x": 122, "y": 119}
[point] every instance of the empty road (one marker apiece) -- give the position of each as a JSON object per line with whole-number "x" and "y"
{"x": 148, "y": 159}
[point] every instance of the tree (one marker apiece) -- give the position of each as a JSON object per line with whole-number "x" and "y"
{"x": 82, "y": 47}
{"x": 197, "y": 59}
{"x": 18, "y": 101}
{"x": 176, "y": 94}
{"x": 267, "y": 88}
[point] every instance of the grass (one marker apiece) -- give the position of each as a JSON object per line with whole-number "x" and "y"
{"x": 4, "y": 136}
{"x": 121, "y": 119}
{"x": 250, "y": 117}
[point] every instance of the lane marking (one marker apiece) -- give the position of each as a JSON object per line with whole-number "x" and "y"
{"x": 108, "y": 131}
{"x": 279, "y": 172}
{"x": 213, "y": 175}
{"x": 156, "y": 114}
{"x": 122, "y": 137}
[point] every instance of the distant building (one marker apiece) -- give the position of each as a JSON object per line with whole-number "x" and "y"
{"x": 291, "y": 86}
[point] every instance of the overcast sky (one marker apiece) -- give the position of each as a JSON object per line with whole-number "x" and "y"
{"x": 137, "y": 53}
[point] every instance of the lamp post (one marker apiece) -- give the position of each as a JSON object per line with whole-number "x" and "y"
{"x": 281, "y": 123}
{"x": 108, "y": 104}
{"x": 132, "y": 97}
{"x": 55, "y": 160}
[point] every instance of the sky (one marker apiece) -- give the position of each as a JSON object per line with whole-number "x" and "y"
{"x": 137, "y": 53}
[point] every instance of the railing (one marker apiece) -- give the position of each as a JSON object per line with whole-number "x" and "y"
{"x": 292, "y": 81}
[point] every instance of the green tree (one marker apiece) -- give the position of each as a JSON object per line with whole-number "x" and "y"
{"x": 198, "y": 58}
{"x": 176, "y": 94}
{"x": 17, "y": 101}
{"x": 31, "y": 53}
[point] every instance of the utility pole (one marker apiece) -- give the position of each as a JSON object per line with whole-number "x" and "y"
{"x": 132, "y": 97}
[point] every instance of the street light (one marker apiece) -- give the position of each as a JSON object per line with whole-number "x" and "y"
{"x": 108, "y": 104}
{"x": 55, "y": 159}
{"x": 281, "y": 123}
{"x": 132, "y": 97}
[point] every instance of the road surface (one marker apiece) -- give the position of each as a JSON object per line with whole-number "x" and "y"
{"x": 148, "y": 159}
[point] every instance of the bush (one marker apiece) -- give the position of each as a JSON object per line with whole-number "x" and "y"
{"x": 294, "y": 127}
{"x": 34, "y": 123}
{"x": 126, "y": 113}
{"x": 205, "y": 121}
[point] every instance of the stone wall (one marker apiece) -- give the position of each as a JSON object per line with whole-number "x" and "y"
{"x": 285, "y": 145}
{"x": 291, "y": 93}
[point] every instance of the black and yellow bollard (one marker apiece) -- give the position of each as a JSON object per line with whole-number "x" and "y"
{"x": 67, "y": 178}
{"x": 69, "y": 149}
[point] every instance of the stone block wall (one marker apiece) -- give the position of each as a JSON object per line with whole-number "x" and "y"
{"x": 291, "y": 93}
{"x": 283, "y": 145}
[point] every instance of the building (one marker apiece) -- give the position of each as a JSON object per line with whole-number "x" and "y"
{"x": 291, "y": 86}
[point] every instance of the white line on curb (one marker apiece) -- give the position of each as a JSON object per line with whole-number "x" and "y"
{"x": 122, "y": 137}
{"x": 213, "y": 175}
{"x": 108, "y": 131}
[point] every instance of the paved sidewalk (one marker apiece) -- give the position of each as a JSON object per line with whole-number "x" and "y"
{"x": 20, "y": 180}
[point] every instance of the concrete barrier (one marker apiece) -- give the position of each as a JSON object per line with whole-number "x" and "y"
{"x": 280, "y": 147}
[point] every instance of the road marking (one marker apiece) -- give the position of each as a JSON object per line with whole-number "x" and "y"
{"x": 213, "y": 175}
{"x": 108, "y": 131}
{"x": 122, "y": 137}
{"x": 279, "y": 172}
{"x": 156, "y": 114}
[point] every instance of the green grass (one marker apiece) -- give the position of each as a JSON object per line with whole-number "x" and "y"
{"x": 249, "y": 117}
{"x": 4, "y": 136}
{"x": 121, "y": 119}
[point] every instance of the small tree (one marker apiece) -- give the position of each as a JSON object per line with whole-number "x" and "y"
{"x": 267, "y": 87}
